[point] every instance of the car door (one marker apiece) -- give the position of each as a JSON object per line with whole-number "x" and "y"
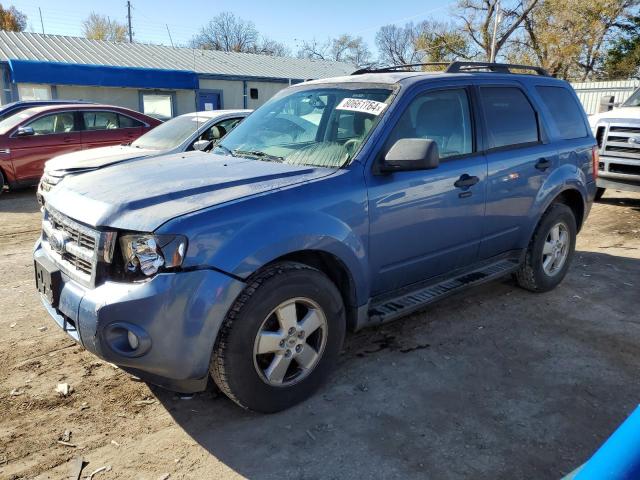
{"x": 429, "y": 222}
{"x": 53, "y": 134}
{"x": 106, "y": 127}
{"x": 520, "y": 157}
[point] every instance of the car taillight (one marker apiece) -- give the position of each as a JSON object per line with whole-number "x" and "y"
{"x": 595, "y": 160}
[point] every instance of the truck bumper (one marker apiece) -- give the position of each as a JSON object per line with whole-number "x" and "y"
{"x": 619, "y": 183}
{"x": 174, "y": 319}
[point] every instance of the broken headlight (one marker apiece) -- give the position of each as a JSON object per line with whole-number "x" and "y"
{"x": 148, "y": 253}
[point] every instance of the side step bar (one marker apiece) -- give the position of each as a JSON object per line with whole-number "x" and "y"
{"x": 391, "y": 308}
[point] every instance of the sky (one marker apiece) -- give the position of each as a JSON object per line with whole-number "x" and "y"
{"x": 287, "y": 21}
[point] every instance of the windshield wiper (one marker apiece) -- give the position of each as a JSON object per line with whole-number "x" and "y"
{"x": 227, "y": 150}
{"x": 258, "y": 154}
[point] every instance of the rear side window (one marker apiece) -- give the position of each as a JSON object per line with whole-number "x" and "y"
{"x": 100, "y": 120}
{"x": 510, "y": 118}
{"x": 565, "y": 112}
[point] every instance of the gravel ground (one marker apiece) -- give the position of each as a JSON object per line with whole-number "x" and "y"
{"x": 492, "y": 383}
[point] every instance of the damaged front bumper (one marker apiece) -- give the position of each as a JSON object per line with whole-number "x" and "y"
{"x": 162, "y": 330}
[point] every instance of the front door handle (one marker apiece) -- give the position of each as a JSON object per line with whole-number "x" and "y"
{"x": 542, "y": 164}
{"x": 466, "y": 181}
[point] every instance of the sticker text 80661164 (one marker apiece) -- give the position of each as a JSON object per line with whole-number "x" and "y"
{"x": 362, "y": 105}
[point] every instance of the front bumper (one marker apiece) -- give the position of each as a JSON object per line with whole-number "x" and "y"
{"x": 177, "y": 316}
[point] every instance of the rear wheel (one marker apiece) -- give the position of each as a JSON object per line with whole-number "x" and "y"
{"x": 599, "y": 193}
{"x": 2, "y": 182}
{"x": 550, "y": 251}
{"x": 281, "y": 339}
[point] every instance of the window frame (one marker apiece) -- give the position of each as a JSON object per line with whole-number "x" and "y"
{"x": 169, "y": 93}
{"x": 541, "y": 131}
{"x": 474, "y": 116}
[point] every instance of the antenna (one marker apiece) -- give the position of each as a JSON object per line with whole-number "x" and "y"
{"x": 171, "y": 40}
{"x": 41, "y": 22}
{"x": 129, "y": 21}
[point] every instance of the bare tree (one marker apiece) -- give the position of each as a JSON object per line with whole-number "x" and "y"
{"x": 399, "y": 45}
{"x": 229, "y": 33}
{"x": 101, "y": 27}
{"x": 344, "y": 48}
{"x": 12, "y": 19}
{"x": 478, "y": 16}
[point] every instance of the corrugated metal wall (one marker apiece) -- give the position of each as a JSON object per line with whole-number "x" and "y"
{"x": 590, "y": 93}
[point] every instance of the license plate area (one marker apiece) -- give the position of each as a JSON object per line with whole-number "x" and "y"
{"x": 48, "y": 280}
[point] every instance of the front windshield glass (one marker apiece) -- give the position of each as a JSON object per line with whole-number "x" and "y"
{"x": 321, "y": 127}
{"x": 10, "y": 122}
{"x": 633, "y": 100}
{"x": 171, "y": 133}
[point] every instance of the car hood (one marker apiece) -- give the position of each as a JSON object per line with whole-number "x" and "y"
{"x": 617, "y": 113}
{"x": 95, "y": 158}
{"x": 143, "y": 195}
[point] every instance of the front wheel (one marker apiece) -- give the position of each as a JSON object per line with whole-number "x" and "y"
{"x": 550, "y": 251}
{"x": 281, "y": 338}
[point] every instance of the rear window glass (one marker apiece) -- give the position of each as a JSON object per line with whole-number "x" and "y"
{"x": 510, "y": 117}
{"x": 565, "y": 112}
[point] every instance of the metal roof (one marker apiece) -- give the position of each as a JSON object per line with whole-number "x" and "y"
{"x": 77, "y": 50}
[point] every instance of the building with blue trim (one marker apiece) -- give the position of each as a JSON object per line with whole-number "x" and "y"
{"x": 154, "y": 79}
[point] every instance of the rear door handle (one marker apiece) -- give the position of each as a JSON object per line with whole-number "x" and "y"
{"x": 542, "y": 164}
{"x": 466, "y": 181}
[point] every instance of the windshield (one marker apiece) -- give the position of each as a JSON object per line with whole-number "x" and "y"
{"x": 633, "y": 100}
{"x": 321, "y": 127}
{"x": 10, "y": 122}
{"x": 171, "y": 133}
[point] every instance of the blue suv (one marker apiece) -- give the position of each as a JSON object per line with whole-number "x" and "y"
{"x": 341, "y": 203}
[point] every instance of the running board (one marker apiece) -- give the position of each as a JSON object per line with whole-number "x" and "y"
{"x": 411, "y": 301}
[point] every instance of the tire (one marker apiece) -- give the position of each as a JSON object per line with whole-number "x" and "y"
{"x": 263, "y": 311}
{"x": 600, "y": 193}
{"x": 2, "y": 182}
{"x": 537, "y": 273}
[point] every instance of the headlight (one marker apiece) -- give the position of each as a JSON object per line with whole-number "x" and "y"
{"x": 148, "y": 253}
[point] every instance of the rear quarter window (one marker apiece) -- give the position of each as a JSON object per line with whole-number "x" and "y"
{"x": 509, "y": 117}
{"x": 565, "y": 112}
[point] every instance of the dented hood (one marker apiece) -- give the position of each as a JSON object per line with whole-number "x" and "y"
{"x": 143, "y": 195}
{"x": 95, "y": 158}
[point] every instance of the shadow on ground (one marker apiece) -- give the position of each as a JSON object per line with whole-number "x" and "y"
{"x": 619, "y": 199}
{"x": 18, "y": 201}
{"x": 492, "y": 383}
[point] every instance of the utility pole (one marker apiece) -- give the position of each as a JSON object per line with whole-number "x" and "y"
{"x": 129, "y": 21}
{"x": 41, "y": 22}
{"x": 495, "y": 33}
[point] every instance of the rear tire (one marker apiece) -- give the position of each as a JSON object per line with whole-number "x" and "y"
{"x": 600, "y": 193}
{"x": 2, "y": 182}
{"x": 264, "y": 360}
{"x": 550, "y": 250}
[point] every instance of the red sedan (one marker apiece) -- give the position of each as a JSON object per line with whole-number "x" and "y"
{"x": 33, "y": 136}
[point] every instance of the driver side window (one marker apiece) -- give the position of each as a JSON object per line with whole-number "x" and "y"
{"x": 442, "y": 116}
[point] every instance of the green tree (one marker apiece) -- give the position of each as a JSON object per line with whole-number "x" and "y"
{"x": 622, "y": 60}
{"x": 12, "y": 19}
{"x": 101, "y": 27}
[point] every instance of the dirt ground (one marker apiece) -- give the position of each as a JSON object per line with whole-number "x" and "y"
{"x": 492, "y": 383}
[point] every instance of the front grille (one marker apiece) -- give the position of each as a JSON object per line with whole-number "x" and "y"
{"x": 76, "y": 248}
{"x": 622, "y": 168}
{"x": 48, "y": 182}
{"x": 619, "y": 140}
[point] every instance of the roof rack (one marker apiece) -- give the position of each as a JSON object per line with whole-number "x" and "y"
{"x": 459, "y": 67}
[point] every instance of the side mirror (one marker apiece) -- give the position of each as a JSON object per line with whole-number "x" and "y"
{"x": 411, "y": 154}
{"x": 25, "y": 132}
{"x": 202, "y": 145}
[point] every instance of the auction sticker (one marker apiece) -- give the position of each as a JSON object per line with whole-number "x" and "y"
{"x": 362, "y": 105}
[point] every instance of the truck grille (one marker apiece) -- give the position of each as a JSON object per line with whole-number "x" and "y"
{"x": 75, "y": 248}
{"x": 620, "y": 141}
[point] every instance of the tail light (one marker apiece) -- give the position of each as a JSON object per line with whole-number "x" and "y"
{"x": 595, "y": 160}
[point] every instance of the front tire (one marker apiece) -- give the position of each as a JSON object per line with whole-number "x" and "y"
{"x": 281, "y": 338}
{"x": 550, "y": 251}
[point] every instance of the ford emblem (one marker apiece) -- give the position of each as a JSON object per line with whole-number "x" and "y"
{"x": 58, "y": 241}
{"x": 634, "y": 140}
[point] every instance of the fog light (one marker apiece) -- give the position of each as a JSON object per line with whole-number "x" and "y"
{"x": 134, "y": 343}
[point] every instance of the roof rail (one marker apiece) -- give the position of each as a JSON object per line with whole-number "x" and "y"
{"x": 459, "y": 67}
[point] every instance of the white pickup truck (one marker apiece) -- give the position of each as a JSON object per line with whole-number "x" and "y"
{"x": 618, "y": 134}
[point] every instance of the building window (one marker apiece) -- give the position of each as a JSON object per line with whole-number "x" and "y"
{"x": 157, "y": 105}
{"x": 253, "y": 92}
{"x": 29, "y": 91}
